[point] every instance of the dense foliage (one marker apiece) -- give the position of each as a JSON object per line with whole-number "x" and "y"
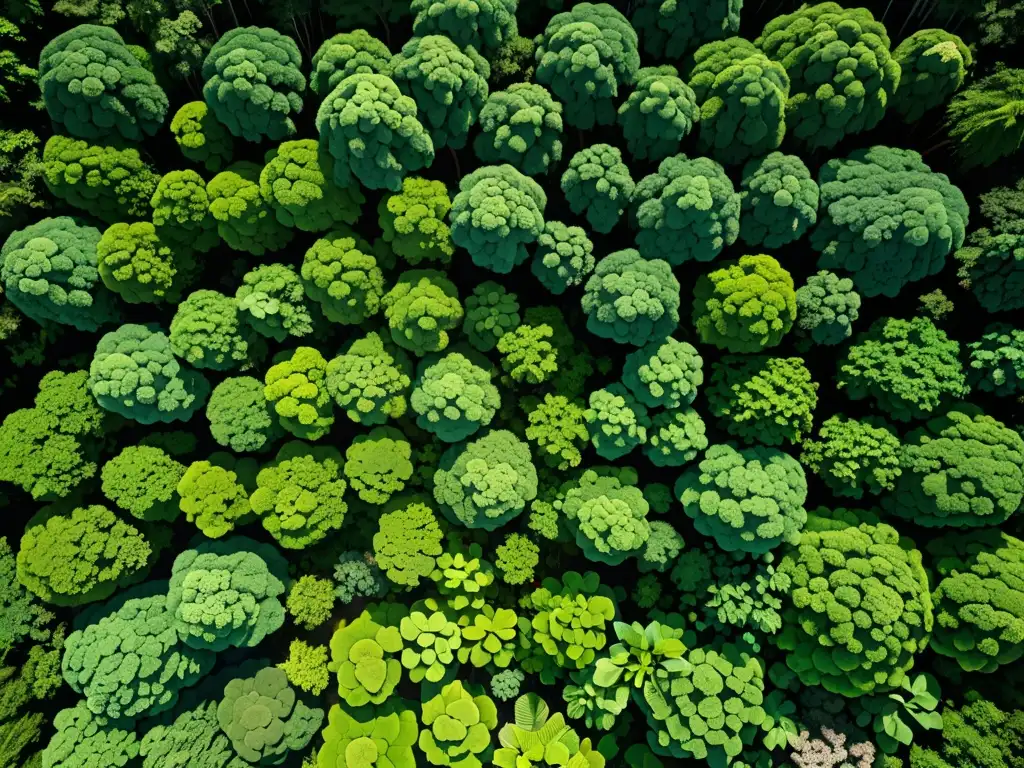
{"x": 515, "y": 383}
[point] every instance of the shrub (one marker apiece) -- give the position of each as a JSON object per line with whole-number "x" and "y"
{"x": 670, "y": 30}
{"x": 264, "y": 719}
{"x": 617, "y": 423}
{"x": 94, "y": 87}
{"x": 496, "y": 214}
{"x": 376, "y": 159}
{"x": 664, "y": 373}
{"x": 310, "y": 601}
{"x": 245, "y": 221}
{"x": 748, "y": 500}
{"x": 979, "y": 616}
{"x": 378, "y": 464}
{"x": 527, "y": 355}
{"x": 853, "y": 456}
{"x": 658, "y": 114}
{"x": 888, "y": 219}
{"x": 129, "y": 662}
{"x": 745, "y": 305}
{"x": 181, "y": 211}
{"x": 296, "y": 387}
{"x": 134, "y": 374}
{"x": 630, "y": 299}
{"x": 306, "y": 667}
{"x": 431, "y": 640}
{"x": 934, "y": 64}
{"x": 83, "y": 737}
{"x": 448, "y": 83}
{"x": 827, "y": 307}
{"x": 213, "y": 496}
{"x": 557, "y": 426}
{"x": 563, "y": 258}
{"x": 271, "y": 300}
{"x": 521, "y": 126}
{"x": 908, "y": 367}
{"x": 206, "y": 332}
{"x": 597, "y": 184}
{"x": 457, "y": 727}
{"x": 299, "y": 495}
{"x": 253, "y": 83}
{"x": 137, "y": 264}
{"x": 982, "y": 119}
{"x": 194, "y": 737}
{"x": 487, "y": 482}
{"x": 454, "y": 397}
{"x": 420, "y": 309}
{"x": 962, "y": 469}
{"x": 675, "y": 437}
{"x": 49, "y": 271}
{"x": 608, "y": 515}
{"x": 225, "y": 594}
{"x": 412, "y": 221}
{"x": 491, "y": 312}
{"x": 828, "y": 100}
{"x": 561, "y": 609}
{"x": 369, "y": 380}
{"x": 516, "y": 558}
{"x": 109, "y": 182}
{"x": 505, "y": 685}
{"x": 389, "y": 736}
{"x": 485, "y": 25}
{"x": 743, "y": 97}
{"x": 534, "y": 733}
{"x": 240, "y": 416}
{"x": 846, "y": 556}
{"x": 687, "y": 210}
{"x": 143, "y": 481}
{"x": 406, "y": 543}
{"x": 778, "y": 201}
{"x": 74, "y": 556}
{"x": 363, "y": 657}
{"x": 358, "y": 576}
{"x": 344, "y": 54}
{"x": 340, "y": 273}
{"x": 761, "y": 399}
{"x": 978, "y": 730}
{"x": 200, "y": 137}
{"x": 996, "y": 362}
{"x": 297, "y": 183}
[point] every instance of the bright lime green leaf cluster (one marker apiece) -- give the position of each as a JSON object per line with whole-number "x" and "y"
{"x": 378, "y": 464}
{"x": 181, "y": 211}
{"x": 340, "y": 273}
{"x": 363, "y": 655}
{"x": 297, "y": 182}
{"x": 213, "y": 497}
{"x": 745, "y": 305}
{"x": 412, "y": 221}
{"x": 139, "y": 266}
{"x": 570, "y": 616}
{"x": 206, "y": 332}
{"x": 557, "y": 426}
{"x": 457, "y": 727}
{"x": 296, "y": 387}
{"x": 143, "y": 480}
{"x": 527, "y": 355}
{"x": 240, "y": 416}
{"x": 200, "y": 137}
{"x": 387, "y": 738}
{"x": 431, "y": 640}
{"x": 406, "y": 543}
{"x": 271, "y": 300}
{"x": 245, "y": 221}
